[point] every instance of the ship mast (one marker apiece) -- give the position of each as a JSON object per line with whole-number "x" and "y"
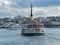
{"x": 31, "y": 11}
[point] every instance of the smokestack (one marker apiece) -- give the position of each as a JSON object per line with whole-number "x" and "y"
{"x": 31, "y": 11}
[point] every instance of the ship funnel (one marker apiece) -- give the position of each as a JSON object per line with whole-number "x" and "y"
{"x": 31, "y": 11}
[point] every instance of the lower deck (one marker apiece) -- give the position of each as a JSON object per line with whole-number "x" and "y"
{"x": 33, "y": 34}
{"x": 32, "y": 30}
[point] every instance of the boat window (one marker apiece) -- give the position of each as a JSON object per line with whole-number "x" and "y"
{"x": 37, "y": 29}
{"x": 34, "y": 26}
{"x": 40, "y": 25}
{"x": 29, "y": 25}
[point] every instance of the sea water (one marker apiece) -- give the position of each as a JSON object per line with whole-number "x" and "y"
{"x": 14, "y": 37}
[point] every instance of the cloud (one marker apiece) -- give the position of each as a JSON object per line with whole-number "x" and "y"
{"x": 26, "y": 3}
{"x": 37, "y": 11}
{"x": 38, "y": 3}
{"x": 43, "y": 8}
{"x": 48, "y": 11}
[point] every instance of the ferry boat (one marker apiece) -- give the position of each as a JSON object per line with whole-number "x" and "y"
{"x": 32, "y": 26}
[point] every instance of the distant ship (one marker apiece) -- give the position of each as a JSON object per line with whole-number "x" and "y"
{"x": 32, "y": 26}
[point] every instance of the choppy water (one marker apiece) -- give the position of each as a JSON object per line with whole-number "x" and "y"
{"x": 14, "y": 37}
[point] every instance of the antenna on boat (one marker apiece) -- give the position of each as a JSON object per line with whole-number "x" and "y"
{"x": 31, "y": 11}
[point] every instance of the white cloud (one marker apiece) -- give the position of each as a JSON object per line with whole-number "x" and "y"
{"x": 5, "y": 3}
{"x": 47, "y": 11}
{"x": 11, "y": 8}
{"x": 37, "y": 11}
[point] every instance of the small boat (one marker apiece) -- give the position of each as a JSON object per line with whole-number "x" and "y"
{"x": 32, "y": 26}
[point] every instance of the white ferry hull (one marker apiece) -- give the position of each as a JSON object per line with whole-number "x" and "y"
{"x": 32, "y": 33}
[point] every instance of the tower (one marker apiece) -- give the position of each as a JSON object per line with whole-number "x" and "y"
{"x": 31, "y": 11}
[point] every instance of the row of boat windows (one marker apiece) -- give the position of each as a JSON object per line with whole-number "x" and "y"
{"x": 36, "y": 26}
{"x": 34, "y": 30}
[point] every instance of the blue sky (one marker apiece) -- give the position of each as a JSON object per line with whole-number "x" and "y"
{"x": 43, "y": 8}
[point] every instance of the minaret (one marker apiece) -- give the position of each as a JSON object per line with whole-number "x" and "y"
{"x": 31, "y": 11}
